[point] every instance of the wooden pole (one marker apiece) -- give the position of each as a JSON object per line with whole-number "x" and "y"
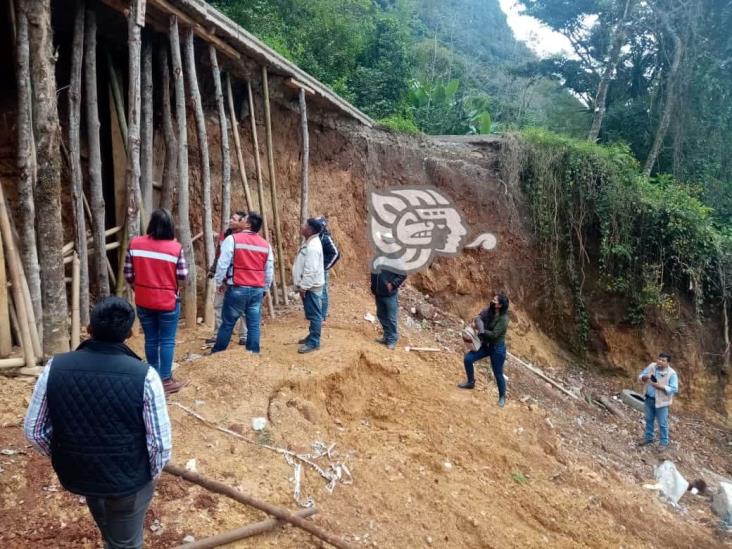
{"x": 278, "y": 512}
{"x": 244, "y": 532}
{"x": 75, "y": 326}
{"x": 203, "y": 156}
{"x": 132, "y": 176}
{"x": 26, "y": 162}
{"x": 77, "y": 179}
{"x": 237, "y": 145}
{"x": 273, "y": 186}
{"x": 15, "y": 279}
{"x": 146, "y": 131}
{"x": 6, "y": 341}
{"x": 14, "y": 362}
{"x": 260, "y": 192}
{"x": 189, "y": 302}
{"x": 224, "y": 133}
{"x": 170, "y": 169}
{"x": 14, "y": 324}
{"x": 305, "y": 188}
{"x": 95, "y": 153}
{"x": 35, "y": 336}
{"x": 119, "y": 104}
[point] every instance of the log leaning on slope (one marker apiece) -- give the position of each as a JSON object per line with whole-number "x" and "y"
{"x": 278, "y": 512}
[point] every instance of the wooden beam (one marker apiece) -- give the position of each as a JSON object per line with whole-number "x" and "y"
{"x": 297, "y": 85}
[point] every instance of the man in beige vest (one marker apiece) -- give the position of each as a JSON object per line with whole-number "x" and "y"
{"x": 662, "y": 384}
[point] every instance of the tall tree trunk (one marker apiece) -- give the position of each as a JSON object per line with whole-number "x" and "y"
{"x": 273, "y": 185}
{"x": 203, "y": 156}
{"x": 305, "y": 184}
{"x": 27, "y": 166}
{"x": 132, "y": 175}
{"x": 95, "y": 152}
{"x": 77, "y": 178}
{"x": 170, "y": 169}
{"x": 237, "y": 146}
{"x": 47, "y": 133}
{"x": 184, "y": 223}
{"x": 607, "y": 74}
{"x": 146, "y": 131}
{"x": 224, "y": 131}
{"x": 669, "y": 96}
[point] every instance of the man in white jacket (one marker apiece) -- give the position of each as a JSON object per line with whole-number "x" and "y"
{"x": 308, "y": 276}
{"x": 662, "y": 384}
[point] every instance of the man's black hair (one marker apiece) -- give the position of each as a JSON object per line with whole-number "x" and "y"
{"x": 315, "y": 224}
{"x": 161, "y": 226}
{"x": 111, "y": 320}
{"x": 665, "y": 355}
{"x": 241, "y": 214}
{"x": 503, "y": 300}
{"x": 255, "y": 221}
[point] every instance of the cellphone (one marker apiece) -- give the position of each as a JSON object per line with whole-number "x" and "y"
{"x": 653, "y": 379}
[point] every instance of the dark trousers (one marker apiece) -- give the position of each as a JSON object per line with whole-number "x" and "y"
{"x": 387, "y": 311}
{"x": 120, "y": 520}
{"x": 314, "y": 313}
{"x": 160, "y": 328}
{"x": 244, "y": 302}
{"x": 498, "y": 358}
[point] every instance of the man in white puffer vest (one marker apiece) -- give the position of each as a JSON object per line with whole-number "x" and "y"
{"x": 662, "y": 384}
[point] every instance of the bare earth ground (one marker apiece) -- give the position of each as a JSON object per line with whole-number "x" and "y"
{"x": 432, "y": 465}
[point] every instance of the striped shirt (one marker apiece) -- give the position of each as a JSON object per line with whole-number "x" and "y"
{"x": 181, "y": 268}
{"x": 39, "y": 431}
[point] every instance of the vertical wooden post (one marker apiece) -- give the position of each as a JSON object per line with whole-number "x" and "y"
{"x": 132, "y": 179}
{"x": 305, "y": 187}
{"x": 224, "y": 133}
{"x": 146, "y": 132}
{"x": 208, "y": 240}
{"x": 119, "y": 105}
{"x": 184, "y": 224}
{"x": 77, "y": 179}
{"x": 6, "y": 343}
{"x": 260, "y": 192}
{"x": 273, "y": 185}
{"x": 237, "y": 145}
{"x": 170, "y": 170}
{"x": 26, "y": 161}
{"x": 75, "y": 326}
{"x": 95, "y": 152}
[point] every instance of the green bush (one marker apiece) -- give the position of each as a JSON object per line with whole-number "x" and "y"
{"x": 399, "y": 124}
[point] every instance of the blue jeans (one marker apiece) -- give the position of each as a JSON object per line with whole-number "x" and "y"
{"x": 324, "y": 298}
{"x": 387, "y": 311}
{"x": 240, "y": 301}
{"x": 498, "y": 358}
{"x": 160, "y": 328}
{"x": 659, "y": 414}
{"x": 314, "y": 313}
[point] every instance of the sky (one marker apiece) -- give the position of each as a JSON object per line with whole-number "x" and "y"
{"x": 537, "y": 36}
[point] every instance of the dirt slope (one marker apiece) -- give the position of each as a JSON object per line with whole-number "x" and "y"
{"x": 544, "y": 471}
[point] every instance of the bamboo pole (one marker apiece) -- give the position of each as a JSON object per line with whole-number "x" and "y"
{"x": 96, "y": 196}
{"x": 6, "y": 341}
{"x": 17, "y": 285}
{"x": 35, "y": 336}
{"x": 239, "y": 155}
{"x": 119, "y": 104}
{"x": 189, "y": 302}
{"x": 132, "y": 175}
{"x": 203, "y": 156}
{"x": 304, "y": 187}
{"x": 77, "y": 179}
{"x": 273, "y": 186}
{"x": 244, "y": 532}
{"x": 260, "y": 191}
{"x": 170, "y": 169}
{"x": 14, "y": 362}
{"x": 75, "y": 326}
{"x": 14, "y": 318}
{"x": 275, "y": 511}
{"x": 146, "y": 131}
{"x": 224, "y": 133}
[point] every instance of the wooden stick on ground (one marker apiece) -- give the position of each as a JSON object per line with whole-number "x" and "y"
{"x": 543, "y": 376}
{"x": 15, "y": 362}
{"x": 242, "y": 533}
{"x": 273, "y": 186}
{"x": 237, "y": 146}
{"x": 260, "y": 191}
{"x": 278, "y": 512}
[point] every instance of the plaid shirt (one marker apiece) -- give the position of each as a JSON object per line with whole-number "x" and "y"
{"x": 39, "y": 431}
{"x": 181, "y": 268}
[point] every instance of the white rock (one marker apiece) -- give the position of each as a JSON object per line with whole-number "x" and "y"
{"x": 189, "y": 539}
{"x": 191, "y": 465}
{"x": 447, "y": 466}
{"x": 259, "y": 423}
{"x": 722, "y": 503}
{"x": 428, "y": 540}
{"x": 673, "y": 485}
{"x": 369, "y": 318}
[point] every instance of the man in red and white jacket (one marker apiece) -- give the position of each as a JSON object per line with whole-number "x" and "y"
{"x": 243, "y": 274}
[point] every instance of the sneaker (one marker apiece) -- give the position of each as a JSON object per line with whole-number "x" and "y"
{"x": 171, "y": 386}
{"x": 662, "y": 448}
{"x": 242, "y": 341}
{"x": 380, "y": 341}
{"x": 302, "y": 341}
{"x": 210, "y": 341}
{"x": 306, "y": 349}
{"x": 391, "y": 346}
{"x": 501, "y": 402}
{"x": 466, "y": 385}
{"x": 643, "y": 442}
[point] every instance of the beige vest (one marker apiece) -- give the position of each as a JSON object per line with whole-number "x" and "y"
{"x": 662, "y": 397}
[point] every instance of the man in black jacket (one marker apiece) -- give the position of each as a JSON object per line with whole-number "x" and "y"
{"x": 100, "y": 413}
{"x": 385, "y": 287}
{"x": 331, "y": 255}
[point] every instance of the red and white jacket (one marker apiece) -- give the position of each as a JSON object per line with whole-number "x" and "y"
{"x": 155, "y": 266}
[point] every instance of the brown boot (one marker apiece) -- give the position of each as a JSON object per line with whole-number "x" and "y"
{"x": 171, "y": 386}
